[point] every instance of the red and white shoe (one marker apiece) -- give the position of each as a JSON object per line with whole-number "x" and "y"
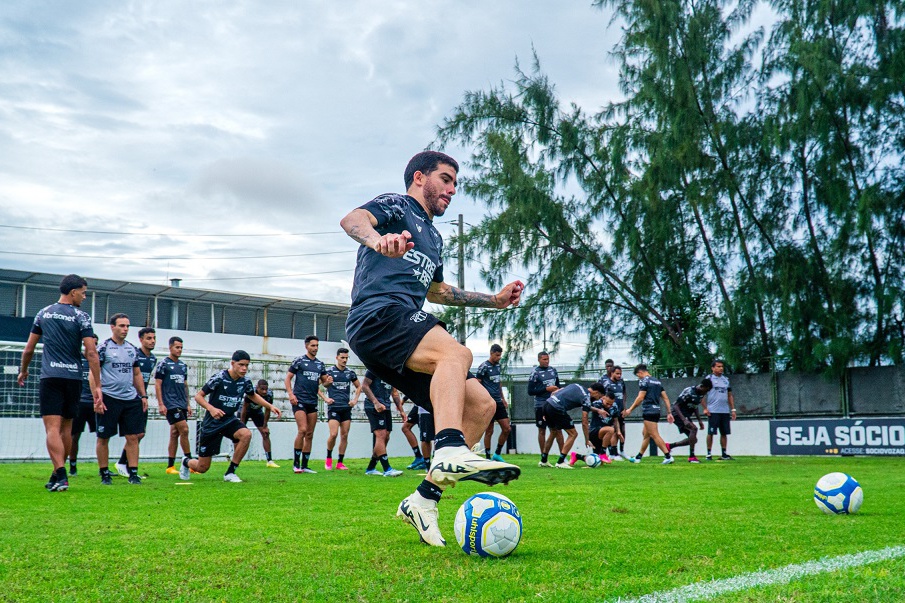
{"x": 328, "y": 464}
{"x": 604, "y": 458}
{"x": 573, "y": 458}
{"x": 341, "y": 467}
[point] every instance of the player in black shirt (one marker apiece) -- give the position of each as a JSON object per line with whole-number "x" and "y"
{"x": 399, "y": 265}
{"x": 650, "y": 394}
{"x": 84, "y": 418}
{"x": 260, "y": 416}
{"x": 685, "y": 407}
{"x": 490, "y": 376}
{"x": 309, "y": 373}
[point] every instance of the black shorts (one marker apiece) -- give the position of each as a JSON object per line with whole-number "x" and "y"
{"x": 539, "y": 418}
{"x": 412, "y": 418}
{"x": 653, "y": 418}
{"x": 341, "y": 413}
{"x": 380, "y": 420}
{"x": 126, "y": 415}
{"x": 60, "y": 397}
{"x": 85, "y": 416}
{"x": 175, "y": 415}
{"x": 209, "y": 441}
{"x": 594, "y": 438}
{"x": 682, "y": 422}
{"x": 719, "y": 422}
{"x": 305, "y": 407}
{"x": 426, "y": 427}
{"x": 557, "y": 419}
{"x": 386, "y": 340}
{"x": 501, "y": 412}
{"x": 144, "y": 417}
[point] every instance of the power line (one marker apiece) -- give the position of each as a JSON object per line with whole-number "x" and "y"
{"x": 238, "y": 257}
{"x": 242, "y": 278}
{"x": 168, "y": 234}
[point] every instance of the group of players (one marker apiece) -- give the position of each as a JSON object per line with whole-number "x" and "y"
{"x": 398, "y": 267}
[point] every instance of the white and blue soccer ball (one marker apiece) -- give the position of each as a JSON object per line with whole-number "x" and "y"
{"x": 489, "y": 525}
{"x": 592, "y": 460}
{"x": 838, "y": 493}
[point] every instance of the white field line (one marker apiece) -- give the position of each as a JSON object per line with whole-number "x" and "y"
{"x": 702, "y": 591}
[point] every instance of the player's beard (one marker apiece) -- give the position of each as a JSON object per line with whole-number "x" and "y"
{"x": 432, "y": 199}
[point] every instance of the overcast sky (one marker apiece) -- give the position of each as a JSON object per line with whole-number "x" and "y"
{"x": 184, "y": 119}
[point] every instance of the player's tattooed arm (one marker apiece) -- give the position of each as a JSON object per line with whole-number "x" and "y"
{"x": 360, "y": 225}
{"x": 446, "y": 294}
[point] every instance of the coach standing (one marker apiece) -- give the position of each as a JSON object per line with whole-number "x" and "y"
{"x": 719, "y": 406}
{"x": 65, "y": 329}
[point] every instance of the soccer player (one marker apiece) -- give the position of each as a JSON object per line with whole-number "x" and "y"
{"x": 614, "y": 381}
{"x": 556, "y": 412}
{"x": 172, "y": 390}
{"x": 687, "y": 405}
{"x": 309, "y": 374}
{"x": 84, "y": 417}
{"x": 408, "y": 423}
{"x": 339, "y": 407}
{"x": 260, "y": 416}
{"x": 227, "y": 390}
{"x": 719, "y": 406}
{"x": 489, "y": 374}
{"x": 602, "y": 429}
{"x": 399, "y": 265}
{"x": 544, "y": 380}
{"x": 377, "y": 407}
{"x": 650, "y": 393}
{"x": 65, "y": 329}
{"x": 124, "y": 401}
{"x": 147, "y": 362}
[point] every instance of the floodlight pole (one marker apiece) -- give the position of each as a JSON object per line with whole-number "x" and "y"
{"x": 461, "y": 283}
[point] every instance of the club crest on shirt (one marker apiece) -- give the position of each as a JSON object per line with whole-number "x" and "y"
{"x": 419, "y": 316}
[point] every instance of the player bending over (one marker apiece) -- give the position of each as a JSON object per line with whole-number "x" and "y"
{"x": 556, "y": 410}
{"x": 604, "y": 430}
{"x": 687, "y": 405}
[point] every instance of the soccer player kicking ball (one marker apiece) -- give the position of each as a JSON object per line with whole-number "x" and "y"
{"x": 556, "y": 410}
{"x": 227, "y": 390}
{"x": 399, "y": 265}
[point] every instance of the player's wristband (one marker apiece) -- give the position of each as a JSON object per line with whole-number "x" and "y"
{"x": 144, "y": 397}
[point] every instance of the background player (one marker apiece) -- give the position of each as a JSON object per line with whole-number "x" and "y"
{"x": 260, "y": 416}
{"x": 309, "y": 374}
{"x": 556, "y": 411}
{"x": 147, "y": 362}
{"x": 615, "y": 383}
{"x": 544, "y": 380}
{"x": 408, "y": 423}
{"x": 84, "y": 417}
{"x": 719, "y": 406}
{"x": 685, "y": 407}
{"x": 602, "y": 429}
{"x": 172, "y": 388}
{"x": 650, "y": 393}
{"x": 227, "y": 390}
{"x": 489, "y": 374}
{"x": 339, "y": 406}
{"x": 65, "y": 329}
{"x": 378, "y": 394}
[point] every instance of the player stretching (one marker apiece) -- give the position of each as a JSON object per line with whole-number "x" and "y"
{"x": 377, "y": 406}
{"x": 172, "y": 390}
{"x": 604, "y": 427}
{"x": 556, "y": 410}
{"x": 489, "y": 374}
{"x": 84, "y": 417}
{"x": 260, "y": 416}
{"x": 398, "y": 266}
{"x": 309, "y": 373}
{"x": 65, "y": 330}
{"x": 339, "y": 407}
{"x": 649, "y": 395}
{"x": 543, "y": 381}
{"x": 227, "y": 389}
{"x": 687, "y": 405}
{"x": 147, "y": 362}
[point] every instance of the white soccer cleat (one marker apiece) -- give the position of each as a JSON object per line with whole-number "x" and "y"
{"x": 392, "y": 472}
{"x": 121, "y": 470}
{"x": 184, "y": 471}
{"x": 307, "y": 470}
{"x": 232, "y": 477}
{"x": 617, "y": 459}
{"x": 451, "y": 465}
{"x": 668, "y": 461}
{"x": 564, "y": 465}
{"x": 544, "y": 464}
{"x": 425, "y": 520}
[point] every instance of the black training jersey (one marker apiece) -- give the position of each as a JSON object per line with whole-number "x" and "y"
{"x": 616, "y": 389}
{"x": 688, "y": 401}
{"x": 146, "y": 364}
{"x": 341, "y": 388}
{"x": 308, "y": 374}
{"x": 540, "y": 379}
{"x": 489, "y": 375}
{"x": 598, "y": 421}
{"x": 569, "y": 397}
{"x": 383, "y": 391}
{"x": 381, "y": 281}
{"x": 227, "y": 394}
{"x": 652, "y": 389}
{"x": 172, "y": 375}
{"x": 62, "y": 328}
{"x": 253, "y": 406}
{"x": 86, "y": 397}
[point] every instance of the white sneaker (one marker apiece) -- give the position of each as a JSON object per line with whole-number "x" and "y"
{"x": 392, "y": 472}
{"x": 668, "y": 461}
{"x": 451, "y": 465}
{"x": 122, "y": 470}
{"x": 184, "y": 472}
{"x": 623, "y": 457}
{"x": 564, "y": 465}
{"x": 232, "y": 477}
{"x": 617, "y": 459}
{"x": 544, "y": 464}
{"x": 307, "y": 470}
{"x": 425, "y": 520}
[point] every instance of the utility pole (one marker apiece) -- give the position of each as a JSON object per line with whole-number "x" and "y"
{"x": 461, "y": 328}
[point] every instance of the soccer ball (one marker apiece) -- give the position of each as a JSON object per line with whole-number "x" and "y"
{"x": 592, "y": 460}
{"x": 488, "y": 524}
{"x": 838, "y": 493}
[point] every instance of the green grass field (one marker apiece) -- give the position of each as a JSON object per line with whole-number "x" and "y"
{"x": 621, "y": 531}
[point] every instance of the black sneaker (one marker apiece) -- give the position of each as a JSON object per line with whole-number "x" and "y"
{"x": 709, "y": 457}
{"x": 61, "y": 485}
{"x": 72, "y": 471}
{"x": 106, "y": 479}
{"x": 134, "y": 479}
{"x": 726, "y": 457}
{"x": 51, "y": 481}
